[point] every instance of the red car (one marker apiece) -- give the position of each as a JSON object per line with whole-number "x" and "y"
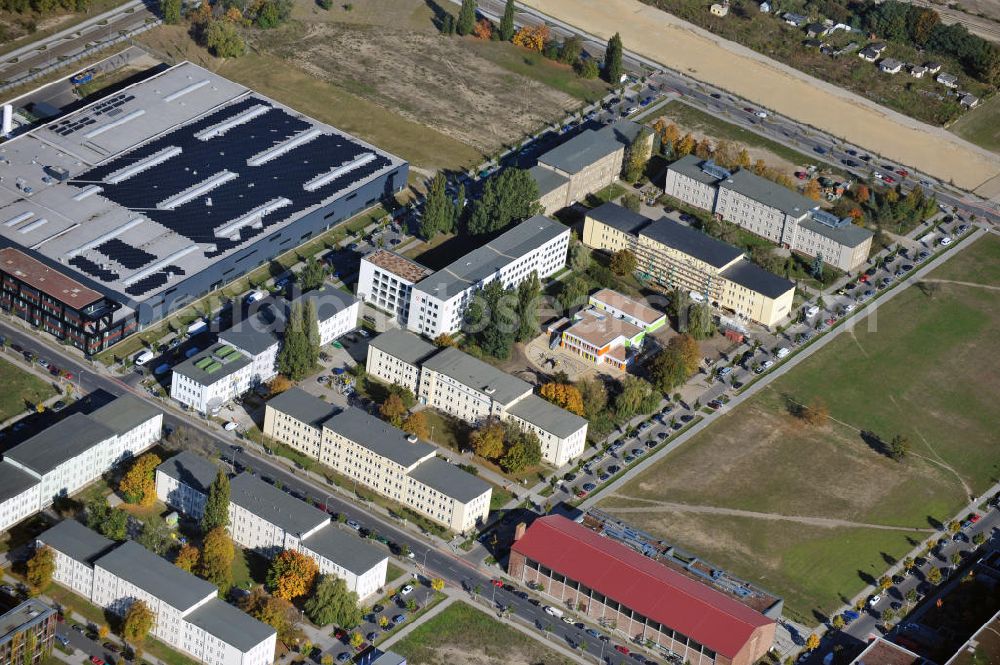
{"x": 96, "y": 661}
{"x": 622, "y": 649}
{"x": 497, "y": 583}
{"x": 340, "y": 633}
{"x": 974, "y": 518}
{"x": 903, "y": 172}
{"x": 863, "y": 279}
{"x": 801, "y": 175}
{"x": 889, "y": 179}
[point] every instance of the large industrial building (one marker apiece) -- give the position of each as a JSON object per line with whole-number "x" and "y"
{"x": 120, "y": 212}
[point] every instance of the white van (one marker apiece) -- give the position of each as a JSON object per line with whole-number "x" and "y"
{"x": 254, "y": 296}
{"x": 143, "y": 357}
{"x": 782, "y": 352}
{"x": 810, "y": 310}
{"x": 553, "y": 611}
{"x": 197, "y": 326}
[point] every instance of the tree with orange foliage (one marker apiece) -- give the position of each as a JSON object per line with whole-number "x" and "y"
{"x": 812, "y": 190}
{"x": 416, "y": 423}
{"x": 483, "y": 29}
{"x": 532, "y": 38}
{"x": 280, "y": 384}
{"x": 234, "y": 15}
{"x": 564, "y": 395}
{"x": 187, "y": 558}
{"x": 856, "y": 214}
{"x": 203, "y": 14}
{"x": 291, "y": 574}
{"x": 862, "y": 193}
{"x": 138, "y": 485}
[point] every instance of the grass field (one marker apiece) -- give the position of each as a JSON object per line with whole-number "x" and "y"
{"x": 810, "y": 511}
{"x": 462, "y": 635}
{"x": 981, "y": 125}
{"x": 21, "y": 389}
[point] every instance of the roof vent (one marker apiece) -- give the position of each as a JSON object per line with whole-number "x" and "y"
{"x": 489, "y": 390}
{"x": 412, "y": 438}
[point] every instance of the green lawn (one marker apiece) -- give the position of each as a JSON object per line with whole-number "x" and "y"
{"x": 499, "y": 498}
{"x": 981, "y": 125}
{"x": 393, "y": 572}
{"x": 22, "y": 389}
{"x": 922, "y": 368}
{"x": 478, "y": 638}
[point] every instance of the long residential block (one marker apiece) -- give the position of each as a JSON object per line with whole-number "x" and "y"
{"x": 388, "y": 460}
{"x": 645, "y": 600}
{"x": 268, "y": 521}
{"x": 73, "y": 453}
{"x": 188, "y": 614}
{"x": 769, "y": 210}
{"x": 471, "y": 390}
{"x": 671, "y": 255}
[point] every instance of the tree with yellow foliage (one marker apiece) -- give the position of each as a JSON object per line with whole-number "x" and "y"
{"x": 684, "y": 146}
{"x": 532, "y": 38}
{"x": 812, "y": 190}
{"x": 812, "y": 642}
{"x": 488, "y": 440}
{"x": 187, "y": 558}
{"x": 437, "y": 584}
{"x": 138, "y": 485}
{"x": 234, "y": 15}
{"x": 703, "y": 149}
{"x": 280, "y": 384}
{"x": 291, "y": 574}
{"x": 743, "y": 159}
{"x": 416, "y": 423}
{"x": 443, "y": 340}
{"x": 564, "y": 395}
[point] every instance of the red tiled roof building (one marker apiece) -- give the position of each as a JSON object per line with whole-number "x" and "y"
{"x": 615, "y": 585}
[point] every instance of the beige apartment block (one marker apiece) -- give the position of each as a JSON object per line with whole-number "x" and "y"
{"x": 671, "y": 255}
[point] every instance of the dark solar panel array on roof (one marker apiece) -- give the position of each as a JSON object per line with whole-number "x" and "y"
{"x": 83, "y": 264}
{"x": 132, "y": 258}
{"x": 108, "y": 107}
{"x": 255, "y": 186}
{"x": 148, "y": 283}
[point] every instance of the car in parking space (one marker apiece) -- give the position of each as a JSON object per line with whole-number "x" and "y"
{"x": 566, "y": 620}
{"x": 353, "y": 524}
{"x": 96, "y": 661}
{"x": 945, "y": 241}
{"x": 343, "y": 656}
{"x": 686, "y": 418}
{"x": 819, "y": 149}
{"x": 767, "y": 364}
{"x": 637, "y": 452}
{"x": 112, "y": 647}
{"x": 604, "y": 477}
{"x": 850, "y": 163}
{"x": 874, "y": 600}
{"x": 614, "y": 468}
{"x": 398, "y": 619}
{"x": 407, "y": 589}
{"x": 962, "y": 228}
{"x": 903, "y": 172}
{"x": 593, "y": 633}
{"x": 865, "y": 158}
{"x": 629, "y": 459}
{"x": 589, "y": 487}
{"x": 621, "y": 648}
{"x": 851, "y": 615}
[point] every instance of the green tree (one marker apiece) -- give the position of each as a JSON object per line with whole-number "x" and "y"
{"x": 217, "y": 558}
{"x": 490, "y": 319}
{"x": 156, "y": 536}
{"x": 313, "y": 275}
{"x": 41, "y": 566}
{"x": 170, "y": 10}
{"x": 224, "y": 40}
{"x": 510, "y": 196}
{"x": 216, "y": 513}
{"x": 574, "y": 292}
{"x": 299, "y": 348}
{"x": 587, "y": 68}
{"x": 507, "y": 22}
{"x": 899, "y": 447}
{"x": 934, "y": 575}
{"x": 310, "y": 323}
{"x": 438, "y": 210}
{"x": 332, "y": 603}
{"x": 613, "y": 68}
{"x": 623, "y": 262}
{"x": 110, "y": 523}
{"x": 700, "y": 323}
{"x": 637, "y": 156}
{"x": 571, "y": 49}
{"x": 635, "y": 394}
{"x": 528, "y": 294}
{"x": 466, "y": 18}
{"x": 579, "y": 256}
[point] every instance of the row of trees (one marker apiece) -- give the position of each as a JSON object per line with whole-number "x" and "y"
{"x": 506, "y": 444}
{"x": 536, "y": 38}
{"x": 300, "y": 345}
{"x": 43, "y": 7}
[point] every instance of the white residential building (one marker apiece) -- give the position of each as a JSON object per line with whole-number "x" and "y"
{"x": 385, "y": 280}
{"x": 438, "y": 303}
{"x": 247, "y": 353}
{"x": 187, "y": 612}
{"x": 72, "y": 453}
{"x": 769, "y": 210}
{"x": 268, "y": 521}
{"x": 381, "y": 457}
{"x": 469, "y": 389}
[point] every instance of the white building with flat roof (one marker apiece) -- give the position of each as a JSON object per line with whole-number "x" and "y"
{"x": 385, "y": 280}
{"x": 188, "y": 614}
{"x": 438, "y": 302}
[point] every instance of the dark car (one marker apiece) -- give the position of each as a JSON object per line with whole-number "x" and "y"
{"x": 819, "y": 149}
{"x": 112, "y": 647}
{"x": 686, "y": 418}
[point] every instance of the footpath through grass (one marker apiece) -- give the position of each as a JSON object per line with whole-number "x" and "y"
{"x": 924, "y": 367}
{"x": 462, "y": 635}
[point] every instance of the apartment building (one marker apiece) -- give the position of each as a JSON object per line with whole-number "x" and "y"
{"x": 769, "y": 210}
{"x": 183, "y": 481}
{"x": 265, "y": 519}
{"x": 462, "y": 386}
{"x": 207, "y": 380}
{"x": 386, "y": 280}
{"x": 583, "y": 165}
{"x": 395, "y": 356}
{"x": 381, "y": 457}
{"x": 644, "y": 599}
{"x": 438, "y": 303}
{"x": 188, "y": 614}
{"x": 246, "y": 355}
{"x": 671, "y": 255}
{"x": 27, "y": 632}
{"x": 72, "y": 453}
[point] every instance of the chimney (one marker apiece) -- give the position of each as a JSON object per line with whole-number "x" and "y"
{"x": 519, "y": 531}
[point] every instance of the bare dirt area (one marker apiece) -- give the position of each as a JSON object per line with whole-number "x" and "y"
{"x": 428, "y": 79}
{"x": 680, "y": 45}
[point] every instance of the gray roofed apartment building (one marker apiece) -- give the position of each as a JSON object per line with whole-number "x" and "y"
{"x": 62, "y": 442}
{"x": 183, "y": 481}
{"x": 77, "y": 541}
{"x": 222, "y": 620}
{"x": 767, "y": 209}
{"x": 124, "y": 413}
{"x": 350, "y": 552}
{"x": 155, "y": 575}
{"x": 547, "y": 416}
{"x": 457, "y": 368}
{"x": 449, "y": 480}
{"x": 378, "y": 437}
{"x": 270, "y": 504}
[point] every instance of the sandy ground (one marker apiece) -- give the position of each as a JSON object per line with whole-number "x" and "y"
{"x": 666, "y": 39}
